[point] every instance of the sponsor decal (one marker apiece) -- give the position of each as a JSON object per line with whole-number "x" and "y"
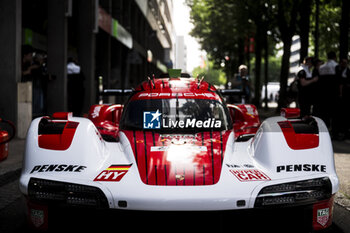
{"x": 301, "y": 167}
{"x": 151, "y": 120}
{"x": 58, "y": 168}
{"x": 189, "y": 137}
{"x": 209, "y": 95}
{"x": 233, "y": 165}
{"x": 192, "y": 123}
{"x": 96, "y": 112}
{"x": 155, "y": 120}
{"x": 251, "y": 111}
{"x": 113, "y": 173}
{"x": 180, "y": 177}
{"x": 37, "y": 217}
{"x": 323, "y": 216}
{"x": 249, "y": 175}
{"x": 166, "y": 148}
{"x": 179, "y": 139}
{"x": 239, "y": 165}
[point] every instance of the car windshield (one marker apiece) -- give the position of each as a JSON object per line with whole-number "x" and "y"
{"x": 175, "y": 115}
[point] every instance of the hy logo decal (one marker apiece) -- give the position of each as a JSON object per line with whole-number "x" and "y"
{"x": 113, "y": 173}
{"x": 151, "y": 120}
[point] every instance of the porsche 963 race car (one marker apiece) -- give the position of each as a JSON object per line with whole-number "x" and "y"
{"x": 176, "y": 146}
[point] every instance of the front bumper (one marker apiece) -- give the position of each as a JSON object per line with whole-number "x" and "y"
{"x": 288, "y": 219}
{"x": 316, "y": 212}
{"x": 168, "y": 198}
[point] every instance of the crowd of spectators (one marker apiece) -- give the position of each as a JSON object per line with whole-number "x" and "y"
{"x": 324, "y": 91}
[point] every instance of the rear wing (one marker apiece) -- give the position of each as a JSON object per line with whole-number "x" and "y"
{"x": 230, "y": 95}
{"x": 236, "y": 96}
{"x": 114, "y": 95}
{"x": 116, "y": 92}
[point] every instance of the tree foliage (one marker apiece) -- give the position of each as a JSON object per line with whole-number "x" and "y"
{"x": 329, "y": 16}
{"x": 219, "y": 31}
{"x": 210, "y": 74}
{"x": 224, "y": 28}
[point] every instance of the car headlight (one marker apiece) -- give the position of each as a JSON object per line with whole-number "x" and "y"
{"x": 63, "y": 193}
{"x": 295, "y": 193}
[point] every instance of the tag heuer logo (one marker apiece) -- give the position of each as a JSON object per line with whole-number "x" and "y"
{"x": 151, "y": 120}
{"x": 323, "y": 216}
{"x": 37, "y": 217}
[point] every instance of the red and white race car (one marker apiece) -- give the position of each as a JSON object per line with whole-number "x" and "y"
{"x": 176, "y": 146}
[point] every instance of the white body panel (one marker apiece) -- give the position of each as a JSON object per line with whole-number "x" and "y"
{"x": 267, "y": 150}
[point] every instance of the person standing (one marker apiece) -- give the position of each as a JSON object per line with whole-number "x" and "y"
{"x": 343, "y": 116}
{"x": 75, "y": 87}
{"x": 317, "y": 105}
{"x": 242, "y": 82}
{"x": 306, "y": 82}
{"x": 27, "y": 63}
{"x": 40, "y": 81}
{"x": 328, "y": 89}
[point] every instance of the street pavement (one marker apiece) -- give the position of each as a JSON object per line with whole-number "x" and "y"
{"x": 342, "y": 199}
{"x": 10, "y": 170}
{"x": 12, "y": 203}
